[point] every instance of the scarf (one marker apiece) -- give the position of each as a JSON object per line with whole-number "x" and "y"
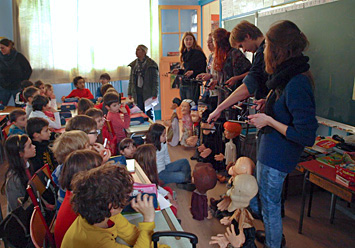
{"x": 279, "y": 80}
{"x": 139, "y": 70}
{"x": 8, "y": 60}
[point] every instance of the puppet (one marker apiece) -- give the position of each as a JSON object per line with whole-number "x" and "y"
{"x": 204, "y": 178}
{"x": 186, "y": 106}
{"x": 231, "y": 131}
{"x": 173, "y": 133}
{"x": 207, "y": 148}
{"x": 194, "y": 140}
{"x": 242, "y": 232}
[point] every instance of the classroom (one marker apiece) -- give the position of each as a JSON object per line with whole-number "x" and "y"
{"x": 196, "y": 123}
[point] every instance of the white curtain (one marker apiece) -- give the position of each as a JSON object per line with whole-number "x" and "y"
{"x": 66, "y": 38}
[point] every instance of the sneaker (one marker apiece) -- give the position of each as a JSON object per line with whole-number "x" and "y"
{"x": 186, "y": 186}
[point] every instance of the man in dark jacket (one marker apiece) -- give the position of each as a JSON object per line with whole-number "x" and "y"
{"x": 143, "y": 81}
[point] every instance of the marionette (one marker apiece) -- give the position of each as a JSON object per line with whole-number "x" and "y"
{"x": 204, "y": 178}
{"x": 231, "y": 131}
{"x": 241, "y": 232}
{"x": 243, "y": 165}
{"x": 186, "y": 106}
{"x": 194, "y": 140}
{"x": 208, "y": 146}
{"x": 173, "y": 133}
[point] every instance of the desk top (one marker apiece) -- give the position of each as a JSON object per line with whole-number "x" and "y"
{"x": 164, "y": 220}
{"x": 8, "y": 109}
{"x": 324, "y": 171}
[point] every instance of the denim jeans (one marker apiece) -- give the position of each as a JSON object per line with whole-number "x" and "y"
{"x": 178, "y": 171}
{"x": 270, "y": 182}
{"x": 6, "y": 94}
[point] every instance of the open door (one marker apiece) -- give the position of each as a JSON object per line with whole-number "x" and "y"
{"x": 173, "y": 22}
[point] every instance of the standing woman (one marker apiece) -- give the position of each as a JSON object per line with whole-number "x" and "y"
{"x": 19, "y": 149}
{"x": 230, "y": 65}
{"x": 14, "y": 68}
{"x": 288, "y": 124}
{"x": 143, "y": 81}
{"x": 193, "y": 61}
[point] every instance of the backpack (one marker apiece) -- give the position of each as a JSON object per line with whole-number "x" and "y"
{"x": 15, "y": 228}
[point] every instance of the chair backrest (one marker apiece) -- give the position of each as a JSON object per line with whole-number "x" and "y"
{"x": 42, "y": 189}
{"x": 39, "y": 230}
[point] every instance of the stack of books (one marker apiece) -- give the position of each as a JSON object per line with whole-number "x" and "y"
{"x": 324, "y": 145}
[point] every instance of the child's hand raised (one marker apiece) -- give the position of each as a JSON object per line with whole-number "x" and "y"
{"x": 123, "y": 109}
{"x": 144, "y": 206}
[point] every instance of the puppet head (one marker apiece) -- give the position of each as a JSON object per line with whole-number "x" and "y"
{"x": 243, "y": 190}
{"x": 206, "y": 127}
{"x": 231, "y": 129}
{"x": 201, "y": 107}
{"x": 243, "y": 165}
{"x": 175, "y": 103}
{"x": 195, "y": 115}
{"x": 204, "y": 177}
{"x": 186, "y": 106}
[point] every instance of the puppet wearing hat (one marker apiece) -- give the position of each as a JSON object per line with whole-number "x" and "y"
{"x": 242, "y": 232}
{"x": 187, "y": 124}
{"x": 204, "y": 178}
{"x": 173, "y": 133}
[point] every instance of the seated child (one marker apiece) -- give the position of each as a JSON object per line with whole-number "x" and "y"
{"x": 83, "y": 105}
{"x": 147, "y": 159}
{"x": 41, "y": 104}
{"x": 104, "y": 89}
{"x": 104, "y": 79}
{"x": 88, "y": 125}
{"x": 81, "y": 160}
{"x": 37, "y": 130}
{"x": 29, "y": 93}
{"x": 115, "y": 109}
{"x": 107, "y": 135}
{"x": 62, "y": 147}
{"x": 127, "y": 149}
{"x": 48, "y": 92}
{"x": 80, "y": 91}
{"x": 19, "y": 122}
{"x": 19, "y": 99}
{"x": 178, "y": 171}
{"x": 100, "y": 222}
{"x": 40, "y": 85}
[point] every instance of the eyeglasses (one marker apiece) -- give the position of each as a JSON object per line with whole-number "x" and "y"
{"x": 94, "y": 132}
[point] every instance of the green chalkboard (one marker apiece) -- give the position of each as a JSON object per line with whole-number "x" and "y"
{"x": 330, "y": 29}
{"x": 230, "y": 24}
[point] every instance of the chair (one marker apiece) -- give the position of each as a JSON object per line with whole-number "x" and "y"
{"x": 42, "y": 190}
{"x": 192, "y": 237}
{"x": 39, "y": 231}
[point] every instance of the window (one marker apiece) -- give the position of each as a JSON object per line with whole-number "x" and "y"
{"x": 66, "y": 38}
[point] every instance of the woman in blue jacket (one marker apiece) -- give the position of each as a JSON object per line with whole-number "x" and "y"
{"x": 14, "y": 68}
{"x": 288, "y": 124}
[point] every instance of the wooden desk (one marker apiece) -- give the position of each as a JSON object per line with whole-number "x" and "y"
{"x": 323, "y": 176}
{"x": 165, "y": 220}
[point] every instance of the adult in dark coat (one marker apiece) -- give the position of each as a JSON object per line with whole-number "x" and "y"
{"x": 14, "y": 68}
{"x": 194, "y": 62}
{"x": 143, "y": 81}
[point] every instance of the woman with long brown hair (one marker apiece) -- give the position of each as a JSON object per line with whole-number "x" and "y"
{"x": 193, "y": 61}
{"x": 288, "y": 124}
{"x": 230, "y": 65}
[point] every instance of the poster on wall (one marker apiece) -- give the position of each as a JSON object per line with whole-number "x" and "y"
{"x": 214, "y": 22}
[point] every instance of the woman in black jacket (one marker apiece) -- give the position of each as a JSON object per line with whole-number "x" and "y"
{"x": 193, "y": 61}
{"x": 14, "y": 68}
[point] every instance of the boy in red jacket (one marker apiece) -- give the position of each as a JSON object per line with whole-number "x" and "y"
{"x": 80, "y": 91}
